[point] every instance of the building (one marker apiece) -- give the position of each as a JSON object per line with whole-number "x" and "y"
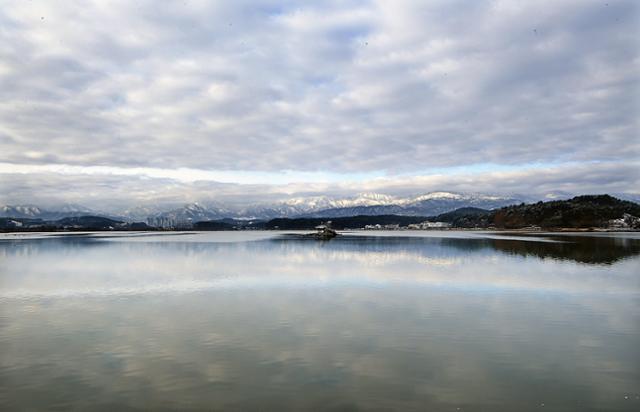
{"x": 429, "y": 225}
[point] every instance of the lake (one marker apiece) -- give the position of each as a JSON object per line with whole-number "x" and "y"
{"x": 437, "y": 321}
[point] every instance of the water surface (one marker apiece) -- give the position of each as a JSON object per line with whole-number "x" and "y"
{"x": 438, "y": 321}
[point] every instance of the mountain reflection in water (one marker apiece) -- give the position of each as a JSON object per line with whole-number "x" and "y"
{"x": 262, "y": 321}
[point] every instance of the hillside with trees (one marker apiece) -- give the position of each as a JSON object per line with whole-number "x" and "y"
{"x": 579, "y": 212}
{"x": 592, "y": 211}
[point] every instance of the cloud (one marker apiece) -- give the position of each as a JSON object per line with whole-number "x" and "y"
{"x": 358, "y": 87}
{"x": 113, "y": 189}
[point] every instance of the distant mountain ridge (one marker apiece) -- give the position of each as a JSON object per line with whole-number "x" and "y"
{"x": 369, "y": 204}
{"x": 424, "y": 205}
{"x": 580, "y": 212}
{"x": 35, "y": 212}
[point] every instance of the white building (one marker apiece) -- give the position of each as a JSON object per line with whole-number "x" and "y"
{"x": 429, "y": 225}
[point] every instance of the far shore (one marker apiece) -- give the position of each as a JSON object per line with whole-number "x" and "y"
{"x": 494, "y": 230}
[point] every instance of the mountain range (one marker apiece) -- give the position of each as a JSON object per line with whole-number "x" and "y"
{"x": 323, "y": 206}
{"x": 429, "y": 204}
{"x": 35, "y": 212}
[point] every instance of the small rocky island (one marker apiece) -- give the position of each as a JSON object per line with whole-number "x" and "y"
{"x": 324, "y": 232}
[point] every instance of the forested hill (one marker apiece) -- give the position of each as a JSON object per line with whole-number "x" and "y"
{"x": 578, "y": 212}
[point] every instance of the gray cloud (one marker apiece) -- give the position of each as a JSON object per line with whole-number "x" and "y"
{"x": 341, "y": 87}
{"x": 112, "y": 192}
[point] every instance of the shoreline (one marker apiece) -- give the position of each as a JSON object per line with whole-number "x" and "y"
{"x": 494, "y": 230}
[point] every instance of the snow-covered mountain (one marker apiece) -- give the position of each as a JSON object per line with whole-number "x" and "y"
{"x": 324, "y": 206}
{"x": 35, "y": 212}
{"x": 317, "y": 206}
{"x": 373, "y": 204}
{"x": 23, "y": 211}
{"x": 140, "y": 213}
{"x": 304, "y": 205}
{"x": 189, "y": 213}
{"x": 427, "y": 204}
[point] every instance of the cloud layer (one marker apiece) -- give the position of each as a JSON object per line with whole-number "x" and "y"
{"x": 122, "y": 188}
{"x": 357, "y": 87}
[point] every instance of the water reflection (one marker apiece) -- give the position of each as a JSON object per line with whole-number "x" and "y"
{"x": 64, "y": 266}
{"x": 358, "y": 323}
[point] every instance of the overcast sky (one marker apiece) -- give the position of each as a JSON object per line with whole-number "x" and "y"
{"x": 126, "y": 102}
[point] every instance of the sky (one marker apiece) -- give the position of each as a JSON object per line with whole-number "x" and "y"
{"x": 118, "y": 103}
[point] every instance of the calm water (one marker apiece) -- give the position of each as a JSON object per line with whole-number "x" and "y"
{"x": 260, "y": 321}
